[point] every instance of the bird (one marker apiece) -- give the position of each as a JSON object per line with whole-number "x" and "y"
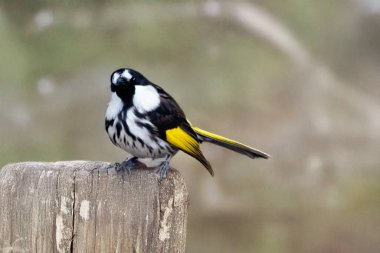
{"x": 146, "y": 122}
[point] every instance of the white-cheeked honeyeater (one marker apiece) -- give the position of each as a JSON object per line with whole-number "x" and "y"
{"x": 147, "y": 122}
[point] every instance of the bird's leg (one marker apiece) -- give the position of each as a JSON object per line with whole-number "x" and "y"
{"x": 127, "y": 165}
{"x": 164, "y": 167}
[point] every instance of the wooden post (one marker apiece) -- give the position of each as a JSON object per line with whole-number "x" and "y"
{"x": 80, "y": 206}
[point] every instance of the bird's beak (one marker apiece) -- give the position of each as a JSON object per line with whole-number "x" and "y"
{"x": 116, "y": 83}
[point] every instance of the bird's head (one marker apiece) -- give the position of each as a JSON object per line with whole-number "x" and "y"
{"x": 124, "y": 82}
{"x": 125, "y": 79}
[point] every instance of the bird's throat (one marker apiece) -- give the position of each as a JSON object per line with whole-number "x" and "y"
{"x": 126, "y": 94}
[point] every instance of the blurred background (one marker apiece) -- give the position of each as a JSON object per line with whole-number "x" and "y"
{"x": 297, "y": 79}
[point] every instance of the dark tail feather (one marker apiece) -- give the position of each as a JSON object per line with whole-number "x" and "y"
{"x": 229, "y": 144}
{"x": 205, "y": 163}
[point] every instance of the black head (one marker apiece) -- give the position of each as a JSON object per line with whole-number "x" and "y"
{"x": 124, "y": 81}
{"x": 124, "y": 78}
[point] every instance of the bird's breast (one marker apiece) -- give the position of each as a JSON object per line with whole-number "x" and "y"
{"x": 115, "y": 106}
{"x": 135, "y": 134}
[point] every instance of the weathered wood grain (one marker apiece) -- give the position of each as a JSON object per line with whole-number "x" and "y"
{"x": 80, "y": 206}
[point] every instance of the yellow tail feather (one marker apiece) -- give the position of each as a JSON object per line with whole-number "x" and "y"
{"x": 230, "y": 144}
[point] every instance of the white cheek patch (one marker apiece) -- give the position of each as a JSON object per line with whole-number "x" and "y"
{"x": 146, "y": 98}
{"x": 127, "y": 75}
{"x": 114, "y": 107}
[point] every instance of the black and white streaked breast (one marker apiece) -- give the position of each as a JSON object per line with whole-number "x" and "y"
{"x": 129, "y": 127}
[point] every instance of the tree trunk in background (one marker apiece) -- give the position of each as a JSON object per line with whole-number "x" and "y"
{"x": 80, "y": 206}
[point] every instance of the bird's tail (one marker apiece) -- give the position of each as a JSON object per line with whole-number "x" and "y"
{"x": 229, "y": 144}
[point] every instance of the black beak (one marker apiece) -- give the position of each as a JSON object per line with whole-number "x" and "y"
{"x": 119, "y": 83}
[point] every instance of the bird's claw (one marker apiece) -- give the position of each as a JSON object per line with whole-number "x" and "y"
{"x": 163, "y": 169}
{"x": 126, "y": 165}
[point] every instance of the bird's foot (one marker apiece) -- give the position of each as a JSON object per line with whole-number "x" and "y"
{"x": 163, "y": 169}
{"x": 126, "y": 165}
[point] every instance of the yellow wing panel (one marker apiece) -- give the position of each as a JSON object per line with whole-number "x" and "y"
{"x": 188, "y": 144}
{"x": 182, "y": 140}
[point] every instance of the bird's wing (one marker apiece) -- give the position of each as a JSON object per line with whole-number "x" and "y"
{"x": 171, "y": 123}
{"x": 168, "y": 114}
{"x": 179, "y": 138}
